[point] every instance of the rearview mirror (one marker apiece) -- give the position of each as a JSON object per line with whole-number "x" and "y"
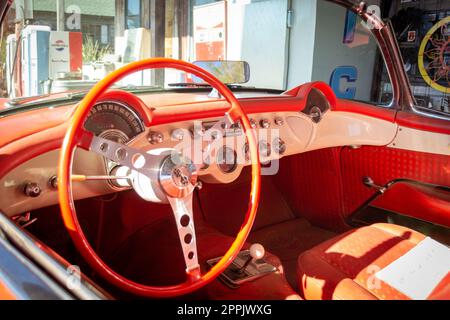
{"x": 229, "y": 72}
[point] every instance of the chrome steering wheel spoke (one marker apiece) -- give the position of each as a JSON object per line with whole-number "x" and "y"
{"x": 184, "y": 218}
{"x": 126, "y": 156}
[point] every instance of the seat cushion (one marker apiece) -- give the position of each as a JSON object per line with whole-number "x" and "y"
{"x": 344, "y": 267}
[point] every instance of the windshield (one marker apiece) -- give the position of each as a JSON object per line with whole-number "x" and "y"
{"x": 55, "y": 46}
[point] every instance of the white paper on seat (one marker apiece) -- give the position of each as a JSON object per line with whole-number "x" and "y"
{"x": 419, "y": 271}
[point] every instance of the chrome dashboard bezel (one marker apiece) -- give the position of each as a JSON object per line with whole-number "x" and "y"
{"x": 134, "y": 113}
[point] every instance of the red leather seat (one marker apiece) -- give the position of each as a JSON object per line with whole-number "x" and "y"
{"x": 344, "y": 267}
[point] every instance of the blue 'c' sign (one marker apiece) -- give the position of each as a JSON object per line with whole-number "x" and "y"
{"x": 348, "y": 73}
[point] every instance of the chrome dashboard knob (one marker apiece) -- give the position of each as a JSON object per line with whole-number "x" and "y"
{"x": 279, "y": 121}
{"x": 264, "y": 149}
{"x": 53, "y": 182}
{"x": 279, "y": 146}
{"x": 198, "y": 131}
{"x": 32, "y": 190}
{"x": 155, "y": 137}
{"x": 178, "y": 135}
{"x": 264, "y": 123}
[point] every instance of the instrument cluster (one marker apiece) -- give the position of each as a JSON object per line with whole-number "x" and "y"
{"x": 114, "y": 121}
{"x": 231, "y": 153}
{"x": 120, "y": 123}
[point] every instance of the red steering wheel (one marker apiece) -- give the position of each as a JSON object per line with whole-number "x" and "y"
{"x": 175, "y": 179}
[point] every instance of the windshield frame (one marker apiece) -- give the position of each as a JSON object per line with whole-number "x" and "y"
{"x": 383, "y": 40}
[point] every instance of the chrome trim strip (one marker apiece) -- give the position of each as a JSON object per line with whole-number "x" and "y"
{"x": 431, "y": 114}
{"x": 24, "y": 279}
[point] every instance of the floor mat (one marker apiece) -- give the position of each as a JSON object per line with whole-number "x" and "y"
{"x": 288, "y": 240}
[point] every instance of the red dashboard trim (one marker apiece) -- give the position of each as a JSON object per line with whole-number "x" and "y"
{"x": 18, "y": 126}
{"x": 160, "y": 109}
{"x": 18, "y": 152}
{"x": 424, "y": 123}
{"x": 365, "y": 109}
{"x": 304, "y": 90}
{"x": 131, "y": 100}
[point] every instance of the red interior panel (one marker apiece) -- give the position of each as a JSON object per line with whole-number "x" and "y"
{"x": 311, "y": 184}
{"x": 325, "y": 186}
{"x": 366, "y": 109}
{"x": 224, "y": 205}
{"x": 425, "y": 203}
{"x": 385, "y": 164}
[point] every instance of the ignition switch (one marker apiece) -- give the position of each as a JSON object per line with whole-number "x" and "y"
{"x": 32, "y": 189}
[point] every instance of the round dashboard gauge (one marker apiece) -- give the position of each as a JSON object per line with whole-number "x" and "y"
{"x": 113, "y": 121}
{"x": 227, "y": 159}
{"x": 115, "y": 135}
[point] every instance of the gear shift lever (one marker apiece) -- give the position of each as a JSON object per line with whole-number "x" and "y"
{"x": 256, "y": 252}
{"x": 249, "y": 265}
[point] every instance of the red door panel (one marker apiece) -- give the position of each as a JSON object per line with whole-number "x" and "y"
{"x": 418, "y": 201}
{"x": 325, "y": 186}
{"x": 385, "y": 164}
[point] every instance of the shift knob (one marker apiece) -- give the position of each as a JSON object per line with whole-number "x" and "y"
{"x": 257, "y": 251}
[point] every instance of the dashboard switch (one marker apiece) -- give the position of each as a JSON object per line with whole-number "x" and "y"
{"x": 315, "y": 114}
{"x": 155, "y": 137}
{"x": 32, "y": 190}
{"x": 264, "y": 123}
{"x": 53, "y": 182}
{"x": 279, "y": 146}
{"x": 279, "y": 121}
{"x": 264, "y": 149}
{"x": 178, "y": 134}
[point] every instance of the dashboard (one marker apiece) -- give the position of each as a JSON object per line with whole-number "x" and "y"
{"x": 280, "y": 132}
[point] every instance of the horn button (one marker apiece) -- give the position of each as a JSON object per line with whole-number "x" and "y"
{"x": 178, "y": 176}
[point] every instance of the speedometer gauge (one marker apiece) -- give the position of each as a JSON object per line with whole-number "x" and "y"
{"x": 113, "y": 121}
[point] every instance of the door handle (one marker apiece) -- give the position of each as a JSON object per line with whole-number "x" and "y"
{"x": 368, "y": 182}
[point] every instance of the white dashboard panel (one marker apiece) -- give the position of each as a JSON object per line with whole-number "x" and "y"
{"x": 421, "y": 141}
{"x": 40, "y": 170}
{"x": 350, "y": 129}
{"x": 296, "y": 129}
